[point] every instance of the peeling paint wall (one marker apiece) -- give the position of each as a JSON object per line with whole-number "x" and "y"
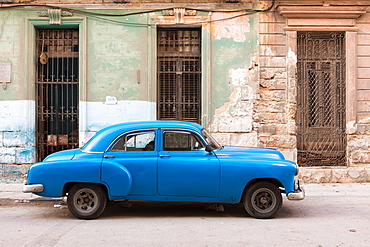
{"x": 117, "y": 58}
{"x": 116, "y": 66}
{"x": 234, "y": 79}
{"x": 234, "y": 29}
{"x": 250, "y": 83}
{"x": 276, "y": 104}
{"x": 17, "y": 140}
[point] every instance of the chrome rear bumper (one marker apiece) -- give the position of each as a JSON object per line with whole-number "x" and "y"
{"x": 34, "y": 188}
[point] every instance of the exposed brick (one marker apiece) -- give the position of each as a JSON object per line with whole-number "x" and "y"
{"x": 284, "y": 142}
{"x": 266, "y": 130}
{"x": 222, "y": 138}
{"x": 7, "y": 155}
{"x": 25, "y": 155}
{"x": 335, "y": 175}
{"x": 272, "y": 107}
{"x": 271, "y": 118}
{"x": 12, "y": 173}
{"x": 233, "y": 124}
{"x": 14, "y": 139}
{"x": 245, "y": 140}
{"x": 363, "y": 129}
{"x": 360, "y": 157}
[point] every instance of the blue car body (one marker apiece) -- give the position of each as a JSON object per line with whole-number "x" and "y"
{"x": 183, "y": 164}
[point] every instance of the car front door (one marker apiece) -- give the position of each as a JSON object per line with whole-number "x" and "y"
{"x": 185, "y": 168}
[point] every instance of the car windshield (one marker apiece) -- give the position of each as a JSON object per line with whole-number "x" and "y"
{"x": 211, "y": 141}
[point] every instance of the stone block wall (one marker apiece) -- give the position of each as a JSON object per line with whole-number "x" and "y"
{"x": 275, "y": 108}
{"x": 276, "y": 105}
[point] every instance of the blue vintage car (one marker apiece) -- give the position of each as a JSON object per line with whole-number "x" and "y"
{"x": 169, "y": 161}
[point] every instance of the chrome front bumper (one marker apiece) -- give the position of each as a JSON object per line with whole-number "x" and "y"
{"x": 299, "y": 193}
{"x": 33, "y": 188}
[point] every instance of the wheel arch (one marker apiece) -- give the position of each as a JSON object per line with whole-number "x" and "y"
{"x": 274, "y": 181}
{"x": 67, "y": 187}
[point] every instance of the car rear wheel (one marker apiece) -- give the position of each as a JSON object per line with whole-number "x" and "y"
{"x": 86, "y": 201}
{"x": 262, "y": 200}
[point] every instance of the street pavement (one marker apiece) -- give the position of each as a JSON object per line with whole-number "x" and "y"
{"x": 330, "y": 215}
{"x": 13, "y": 191}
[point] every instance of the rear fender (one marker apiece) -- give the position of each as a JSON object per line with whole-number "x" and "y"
{"x": 53, "y": 175}
{"x": 117, "y": 178}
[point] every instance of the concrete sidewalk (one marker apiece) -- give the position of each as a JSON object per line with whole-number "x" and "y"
{"x": 13, "y": 191}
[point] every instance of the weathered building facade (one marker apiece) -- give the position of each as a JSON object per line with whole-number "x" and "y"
{"x": 286, "y": 74}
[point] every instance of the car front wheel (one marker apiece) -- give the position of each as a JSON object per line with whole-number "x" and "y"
{"x": 262, "y": 200}
{"x": 86, "y": 201}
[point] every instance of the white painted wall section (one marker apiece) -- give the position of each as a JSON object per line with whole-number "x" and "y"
{"x": 97, "y": 115}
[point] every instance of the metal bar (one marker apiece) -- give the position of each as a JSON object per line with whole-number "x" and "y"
{"x": 57, "y": 91}
{"x": 179, "y": 74}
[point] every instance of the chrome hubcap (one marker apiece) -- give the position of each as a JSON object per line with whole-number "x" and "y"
{"x": 85, "y": 200}
{"x": 263, "y": 200}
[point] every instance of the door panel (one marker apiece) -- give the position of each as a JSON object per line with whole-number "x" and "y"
{"x": 142, "y": 166}
{"x": 56, "y": 91}
{"x": 137, "y": 152}
{"x": 187, "y": 170}
{"x": 321, "y": 99}
{"x": 179, "y": 74}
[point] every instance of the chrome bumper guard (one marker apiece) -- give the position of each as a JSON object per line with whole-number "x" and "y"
{"x": 299, "y": 193}
{"x": 33, "y": 188}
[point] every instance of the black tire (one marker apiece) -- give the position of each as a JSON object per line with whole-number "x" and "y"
{"x": 86, "y": 201}
{"x": 262, "y": 200}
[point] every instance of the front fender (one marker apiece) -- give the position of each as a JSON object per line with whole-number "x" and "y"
{"x": 117, "y": 178}
{"x": 236, "y": 174}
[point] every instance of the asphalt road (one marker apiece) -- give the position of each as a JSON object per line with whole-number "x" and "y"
{"x": 331, "y": 215}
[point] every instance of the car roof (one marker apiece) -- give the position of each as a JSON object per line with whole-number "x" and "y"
{"x": 101, "y": 140}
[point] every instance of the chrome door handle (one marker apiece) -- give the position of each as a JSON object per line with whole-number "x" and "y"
{"x": 164, "y": 155}
{"x": 109, "y": 156}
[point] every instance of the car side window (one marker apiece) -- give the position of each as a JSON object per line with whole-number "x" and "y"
{"x": 181, "y": 141}
{"x": 142, "y": 141}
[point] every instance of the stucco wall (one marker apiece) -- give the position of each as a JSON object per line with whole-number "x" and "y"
{"x": 118, "y": 63}
{"x": 249, "y": 84}
{"x": 234, "y": 80}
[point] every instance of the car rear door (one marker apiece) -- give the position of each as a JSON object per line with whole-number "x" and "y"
{"x": 137, "y": 152}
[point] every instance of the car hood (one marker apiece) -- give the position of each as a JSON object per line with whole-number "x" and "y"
{"x": 62, "y": 155}
{"x": 256, "y": 153}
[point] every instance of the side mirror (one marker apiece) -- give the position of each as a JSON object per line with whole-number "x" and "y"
{"x": 209, "y": 149}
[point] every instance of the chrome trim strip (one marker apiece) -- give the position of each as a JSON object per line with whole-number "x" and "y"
{"x": 88, "y": 152}
{"x": 126, "y": 133}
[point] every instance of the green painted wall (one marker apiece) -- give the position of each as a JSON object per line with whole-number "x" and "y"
{"x": 116, "y": 54}
{"x": 12, "y": 51}
{"x": 227, "y": 54}
{"x": 116, "y": 60}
